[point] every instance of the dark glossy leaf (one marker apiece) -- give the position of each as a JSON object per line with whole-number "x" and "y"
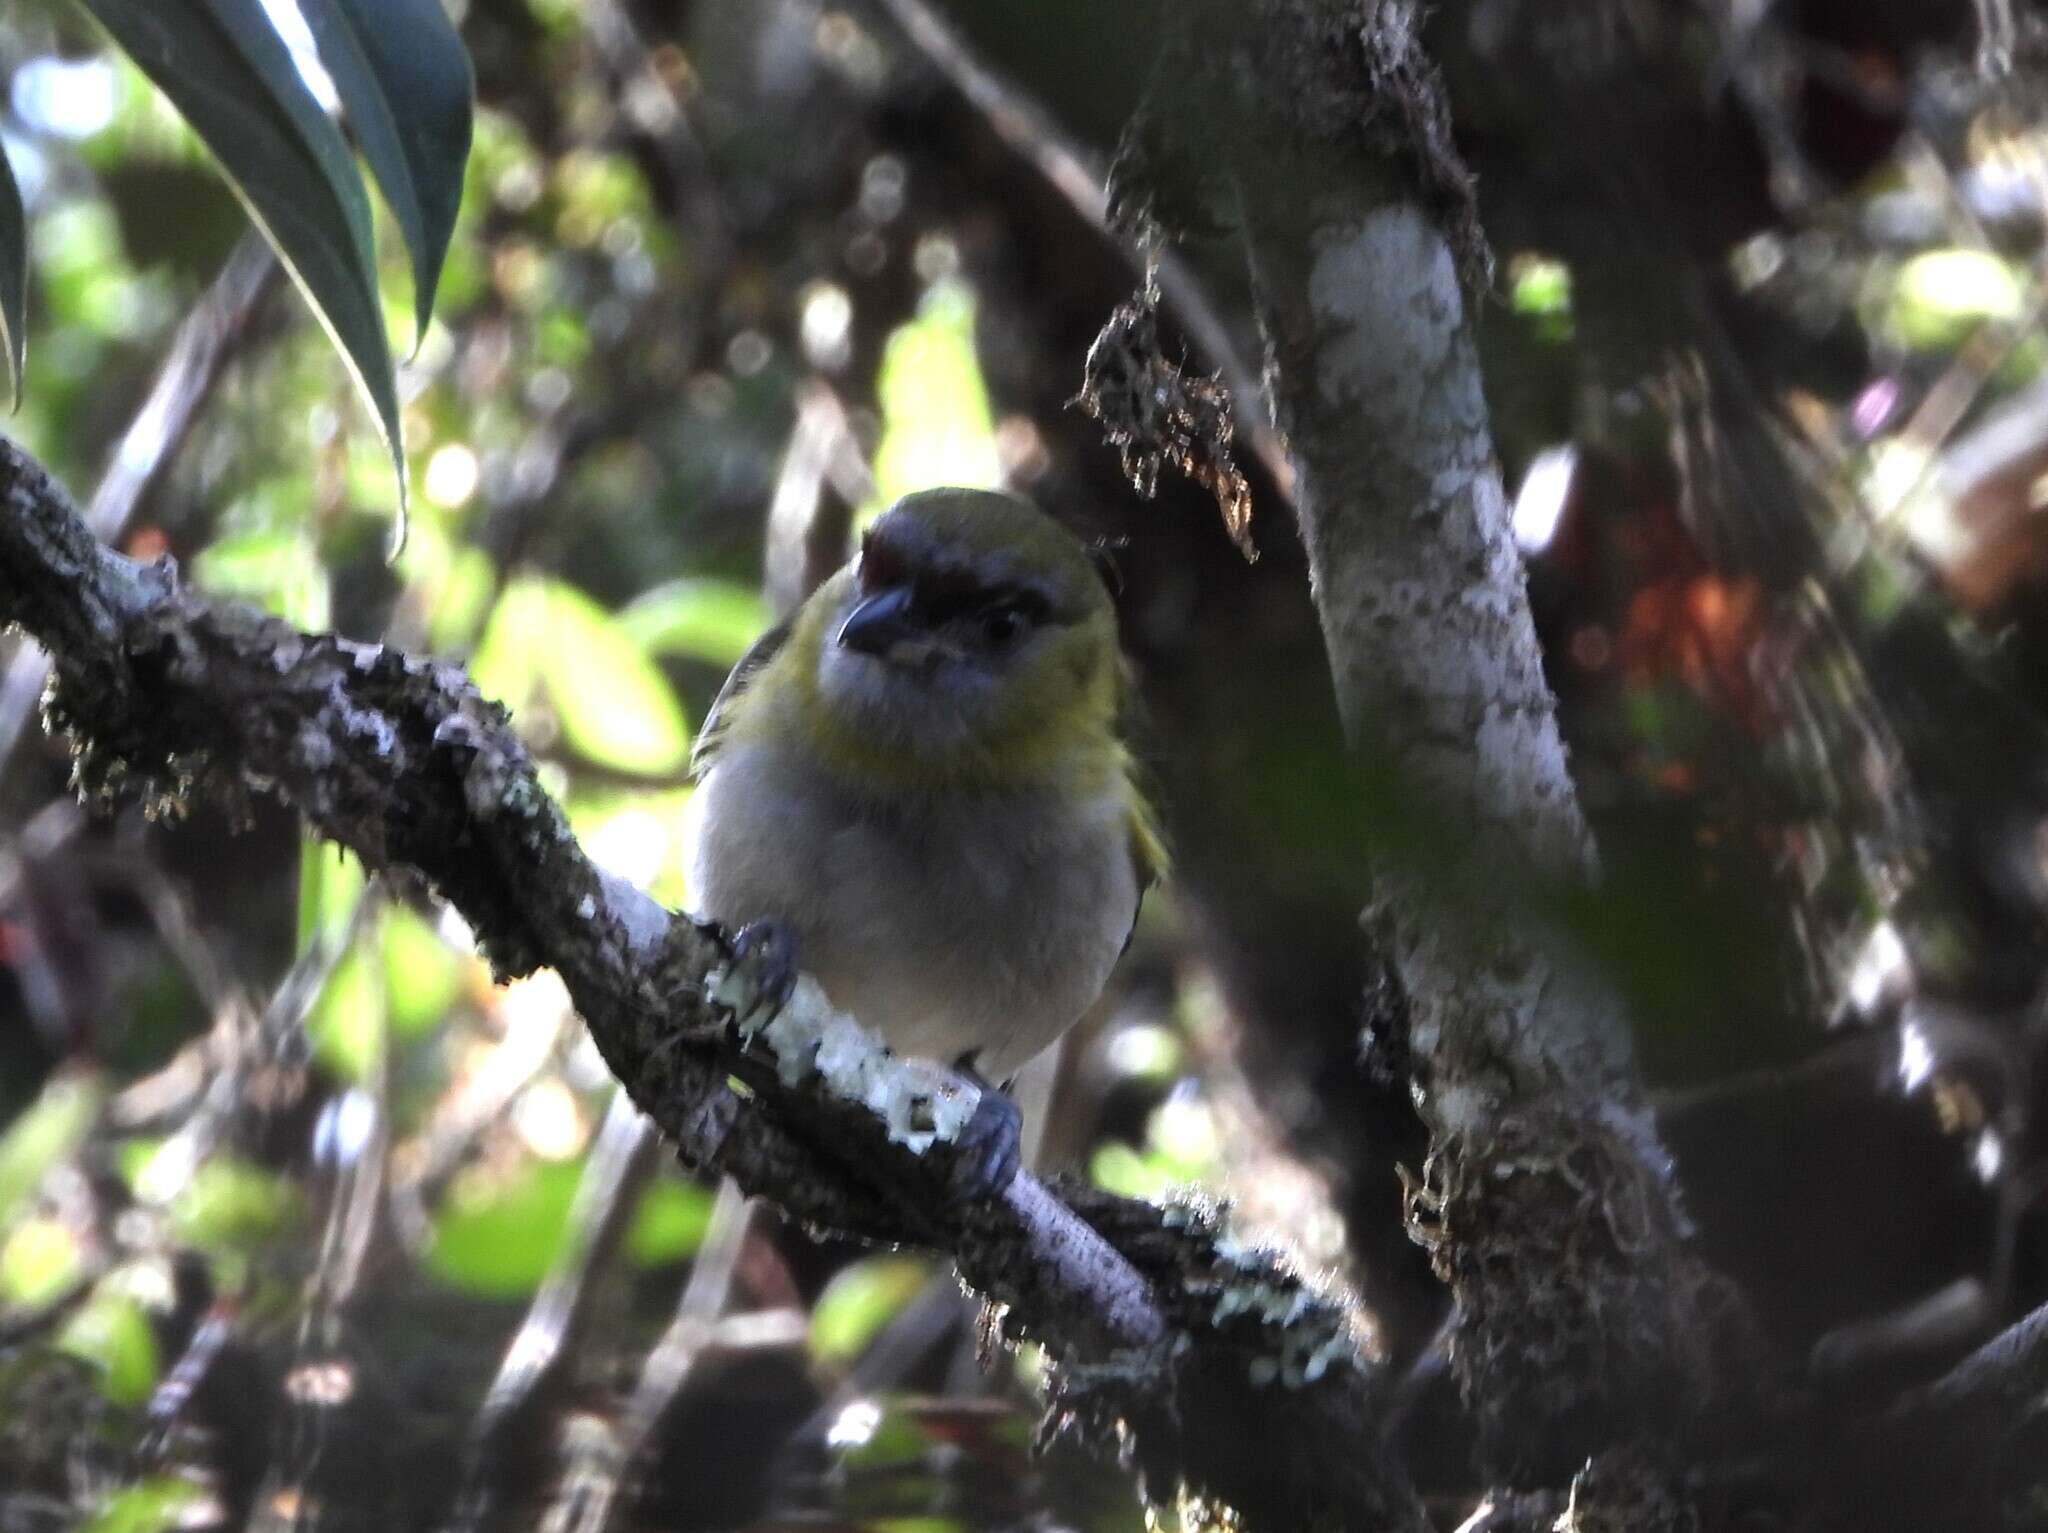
{"x": 404, "y": 80}
{"x": 13, "y": 278}
{"x": 227, "y": 71}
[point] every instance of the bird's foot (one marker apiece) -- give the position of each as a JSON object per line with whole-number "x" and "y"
{"x": 989, "y": 1151}
{"x": 763, "y": 972}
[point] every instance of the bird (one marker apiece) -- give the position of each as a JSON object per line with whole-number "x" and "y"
{"x": 916, "y": 789}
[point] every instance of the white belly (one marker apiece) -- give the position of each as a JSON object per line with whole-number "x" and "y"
{"x": 979, "y": 925}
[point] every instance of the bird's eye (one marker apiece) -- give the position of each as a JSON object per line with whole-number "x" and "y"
{"x": 1000, "y": 626}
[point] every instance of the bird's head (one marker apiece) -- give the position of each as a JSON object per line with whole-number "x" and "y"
{"x": 972, "y": 637}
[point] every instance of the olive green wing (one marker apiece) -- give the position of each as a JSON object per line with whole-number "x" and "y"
{"x": 1149, "y": 856}
{"x": 716, "y": 721}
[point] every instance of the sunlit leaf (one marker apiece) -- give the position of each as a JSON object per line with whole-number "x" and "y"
{"x": 1181, "y": 1147}
{"x": 404, "y": 81}
{"x": 500, "y": 1233}
{"x": 1146, "y": 1051}
{"x": 506, "y": 664}
{"x": 862, "y": 1299}
{"x": 38, "y": 1261}
{"x": 637, "y": 834}
{"x": 13, "y": 277}
{"x": 132, "y": 1160}
{"x": 230, "y": 1204}
{"x": 224, "y": 67}
{"x": 421, "y": 977}
{"x": 46, "y": 1135}
{"x": 937, "y": 428}
{"x": 874, "y": 1437}
{"x": 1539, "y": 285}
{"x": 155, "y": 1506}
{"x": 710, "y": 620}
{"x": 331, "y": 881}
{"x": 111, "y": 1332}
{"x": 1129, "y": 1173}
{"x": 1940, "y": 296}
{"x": 346, "y": 1025}
{"x": 1540, "y": 290}
{"x": 277, "y": 569}
{"x": 615, "y": 706}
{"x": 460, "y": 597}
{"x": 669, "y": 1225}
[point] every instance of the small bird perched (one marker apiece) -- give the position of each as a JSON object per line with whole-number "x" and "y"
{"x": 915, "y": 789}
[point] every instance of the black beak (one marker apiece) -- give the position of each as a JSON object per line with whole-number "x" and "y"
{"x": 883, "y": 623}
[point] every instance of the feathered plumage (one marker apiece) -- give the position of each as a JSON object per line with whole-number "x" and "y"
{"x": 920, "y": 775}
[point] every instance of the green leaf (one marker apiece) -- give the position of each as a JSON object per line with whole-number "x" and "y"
{"x": 710, "y": 620}
{"x": 13, "y": 278}
{"x": 638, "y": 834}
{"x": 111, "y": 1332}
{"x": 232, "y": 1204}
{"x": 937, "y": 425}
{"x": 506, "y": 663}
{"x": 46, "y": 1135}
{"x": 279, "y": 570}
{"x": 404, "y": 80}
{"x": 862, "y": 1299}
{"x": 154, "y": 1506}
{"x": 37, "y": 1263}
{"x": 1941, "y": 296}
{"x": 331, "y": 883}
{"x": 499, "y": 1234}
{"x": 670, "y": 1223}
{"x": 226, "y": 70}
{"x": 614, "y": 704}
{"x": 422, "y": 977}
{"x": 346, "y": 1025}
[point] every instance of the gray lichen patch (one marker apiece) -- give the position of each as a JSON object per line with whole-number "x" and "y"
{"x": 920, "y": 1103}
{"x": 1292, "y": 1330}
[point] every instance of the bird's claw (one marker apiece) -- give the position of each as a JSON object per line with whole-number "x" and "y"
{"x": 989, "y": 1151}
{"x": 765, "y": 967}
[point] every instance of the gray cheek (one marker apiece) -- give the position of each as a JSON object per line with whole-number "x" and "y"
{"x": 938, "y": 703}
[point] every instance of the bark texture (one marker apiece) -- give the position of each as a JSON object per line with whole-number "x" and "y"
{"x": 1547, "y": 1201}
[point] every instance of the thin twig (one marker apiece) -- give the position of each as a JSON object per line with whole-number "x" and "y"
{"x": 667, "y": 1368}
{"x": 618, "y": 1166}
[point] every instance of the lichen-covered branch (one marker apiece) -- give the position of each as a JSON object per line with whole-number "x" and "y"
{"x": 1547, "y": 1202}
{"x": 1150, "y": 1317}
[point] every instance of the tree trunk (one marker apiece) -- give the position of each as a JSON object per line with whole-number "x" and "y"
{"x": 1547, "y": 1201}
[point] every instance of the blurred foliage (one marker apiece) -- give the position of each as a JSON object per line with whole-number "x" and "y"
{"x": 156, "y": 1506}
{"x": 659, "y": 243}
{"x": 501, "y": 1232}
{"x": 936, "y": 425}
{"x": 860, "y": 1300}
